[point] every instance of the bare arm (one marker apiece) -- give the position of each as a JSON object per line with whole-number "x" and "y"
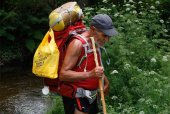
{"x": 70, "y": 60}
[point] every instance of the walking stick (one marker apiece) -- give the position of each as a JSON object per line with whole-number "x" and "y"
{"x": 100, "y": 80}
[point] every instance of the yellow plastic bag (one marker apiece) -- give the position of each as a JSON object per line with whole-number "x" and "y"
{"x": 46, "y": 58}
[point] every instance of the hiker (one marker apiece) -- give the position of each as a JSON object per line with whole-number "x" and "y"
{"x": 79, "y": 68}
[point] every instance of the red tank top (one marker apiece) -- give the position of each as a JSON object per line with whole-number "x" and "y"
{"x": 87, "y": 64}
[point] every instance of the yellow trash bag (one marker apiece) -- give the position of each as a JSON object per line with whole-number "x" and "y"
{"x": 46, "y": 58}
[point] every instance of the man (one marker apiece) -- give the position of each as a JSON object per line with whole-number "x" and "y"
{"x": 83, "y": 73}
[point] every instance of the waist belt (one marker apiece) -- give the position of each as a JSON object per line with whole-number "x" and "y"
{"x": 90, "y": 95}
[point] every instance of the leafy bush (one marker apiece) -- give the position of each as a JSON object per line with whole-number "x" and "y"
{"x": 57, "y": 107}
{"x": 139, "y": 58}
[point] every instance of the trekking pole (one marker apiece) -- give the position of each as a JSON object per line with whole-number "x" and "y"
{"x": 100, "y": 80}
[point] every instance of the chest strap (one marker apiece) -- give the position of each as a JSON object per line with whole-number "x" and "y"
{"x": 87, "y": 50}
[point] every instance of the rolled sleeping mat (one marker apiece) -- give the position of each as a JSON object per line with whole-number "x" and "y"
{"x": 65, "y": 15}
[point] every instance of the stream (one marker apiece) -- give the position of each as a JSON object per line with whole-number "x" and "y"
{"x": 20, "y": 92}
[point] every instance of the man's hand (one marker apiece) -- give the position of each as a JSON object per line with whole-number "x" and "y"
{"x": 97, "y": 72}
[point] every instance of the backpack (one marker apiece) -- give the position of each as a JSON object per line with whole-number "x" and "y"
{"x": 62, "y": 38}
{"x": 65, "y": 22}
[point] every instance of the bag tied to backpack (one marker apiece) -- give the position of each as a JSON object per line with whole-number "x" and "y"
{"x": 46, "y": 57}
{"x": 65, "y": 15}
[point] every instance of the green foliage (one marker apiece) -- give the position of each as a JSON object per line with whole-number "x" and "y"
{"x": 140, "y": 58}
{"x": 57, "y": 107}
{"x": 23, "y": 23}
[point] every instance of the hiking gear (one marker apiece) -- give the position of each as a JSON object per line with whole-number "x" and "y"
{"x": 100, "y": 80}
{"x": 65, "y": 15}
{"x": 69, "y": 89}
{"x": 62, "y": 38}
{"x": 104, "y": 23}
{"x": 90, "y": 95}
{"x": 45, "y": 62}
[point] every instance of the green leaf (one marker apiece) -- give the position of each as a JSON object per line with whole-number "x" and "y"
{"x": 2, "y": 32}
{"x": 10, "y": 37}
{"x": 30, "y": 44}
{"x": 38, "y": 35}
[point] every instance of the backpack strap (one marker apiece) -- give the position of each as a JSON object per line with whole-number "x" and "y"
{"x": 87, "y": 50}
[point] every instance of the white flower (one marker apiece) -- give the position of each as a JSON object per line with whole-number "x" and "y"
{"x": 105, "y": 1}
{"x": 165, "y": 58}
{"x": 157, "y": 2}
{"x": 148, "y": 101}
{"x": 143, "y": 40}
{"x": 114, "y": 97}
{"x": 141, "y": 112}
{"x": 103, "y": 9}
{"x": 131, "y": 1}
{"x": 121, "y": 15}
{"x": 141, "y": 100}
{"x": 115, "y": 15}
{"x": 152, "y": 7}
{"x": 139, "y": 70}
{"x": 128, "y": 21}
{"x": 165, "y": 78}
{"x": 140, "y": 2}
{"x": 134, "y": 12}
{"x": 127, "y": 66}
{"x": 140, "y": 13}
{"x": 114, "y": 72}
{"x": 152, "y": 72}
{"x": 132, "y": 52}
{"x": 156, "y": 79}
{"x": 133, "y": 6}
{"x": 155, "y": 106}
{"x": 145, "y": 73}
{"x": 127, "y": 9}
{"x": 113, "y": 6}
{"x": 137, "y": 22}
{"x": 121, "y": 28}
{"x": 157, "y": 12}
{"x": 127, "y": 5}
{"x": 162, "y": 21}
{"x": 153, "y": 60}
{"x": 165, "y": 30}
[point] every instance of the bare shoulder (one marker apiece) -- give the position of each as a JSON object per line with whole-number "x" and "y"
{"x": 75, "y": 45}
{"x": 73, "y": 52}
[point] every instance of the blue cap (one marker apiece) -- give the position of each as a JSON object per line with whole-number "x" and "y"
{"x": 104, "y": 23}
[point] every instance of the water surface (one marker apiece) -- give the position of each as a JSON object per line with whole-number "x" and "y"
{"x": 20, "y": 92}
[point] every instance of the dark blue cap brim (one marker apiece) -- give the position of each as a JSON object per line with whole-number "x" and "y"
{"x": 109, "y": 32}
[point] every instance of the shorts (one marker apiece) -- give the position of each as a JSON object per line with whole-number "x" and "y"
{"x": 82, "y": 104}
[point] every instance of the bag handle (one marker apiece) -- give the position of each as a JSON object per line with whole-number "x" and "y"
{"x": 52, "y": 44}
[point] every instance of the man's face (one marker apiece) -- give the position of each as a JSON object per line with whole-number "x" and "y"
{"x": 101, "y": 38}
